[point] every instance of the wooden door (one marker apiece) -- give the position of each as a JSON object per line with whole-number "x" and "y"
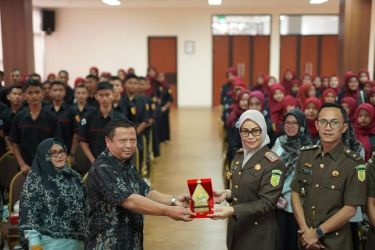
{"x": 308, "y": 55}
{"x": 220, "y": 57}
{"x": 249, "y": 54}
{"x": 288, "y": 54}
{"x": 329, "y": 55}
{"x": 162, "y": 54}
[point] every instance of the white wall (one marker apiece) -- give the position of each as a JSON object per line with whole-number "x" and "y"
{"x": 113, "y": 38}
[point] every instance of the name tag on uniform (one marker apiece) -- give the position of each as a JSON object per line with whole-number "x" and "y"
{"x": 307, "y": 171}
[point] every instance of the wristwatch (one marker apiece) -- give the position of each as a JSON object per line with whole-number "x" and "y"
{"x": 173, "y": 201}
{"x": 319, "y": 232}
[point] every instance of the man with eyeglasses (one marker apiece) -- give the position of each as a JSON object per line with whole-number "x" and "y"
{"x": 330, "y": 182}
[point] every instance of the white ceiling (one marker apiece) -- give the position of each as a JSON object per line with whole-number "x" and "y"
{"x": 177, "y": 3}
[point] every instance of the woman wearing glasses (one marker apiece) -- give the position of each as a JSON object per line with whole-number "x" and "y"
{"x": 257, "y": 180}
{"x": 52, "y": 211}
{"x": 288, "y": 147}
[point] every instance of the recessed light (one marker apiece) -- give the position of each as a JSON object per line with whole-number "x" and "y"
{"x": 112, "y": 2}
{"x": 318, "y": 1}
{"x": 214, "y": 2}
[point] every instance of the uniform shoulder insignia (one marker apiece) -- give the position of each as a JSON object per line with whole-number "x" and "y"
{"x": 353, "y": 155}
{"x": 310, "y": 147}
{"x": 239, "y": 151}
{"x": 271, "y": 156}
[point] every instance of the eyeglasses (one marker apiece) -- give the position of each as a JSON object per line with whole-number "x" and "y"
{"x": 291, "y": 124}
{"x": 332, "y": 123}
{"x": 254, "y": 132}
{"x": 56, "y": 154}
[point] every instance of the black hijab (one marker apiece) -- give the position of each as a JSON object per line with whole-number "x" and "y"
{"x": 292, "y": 144}
{"x": 52, "y": 200}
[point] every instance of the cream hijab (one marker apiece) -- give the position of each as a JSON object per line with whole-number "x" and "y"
{"x": 258, "y": 118}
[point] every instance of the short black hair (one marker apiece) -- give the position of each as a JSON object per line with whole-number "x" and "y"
{"x": 338, "y": 106}
{"x": 140, "y": 78}
{"x": 81, "y": 86}
{"x": 130, "y": 76}
{"x": 91, "y": 76}
{"x": 15, "y": 86}
{"x": 32, "y": 75}
{"x": 64, "y": 72}
{"x": 104, "y": 85}
{"x": 115, "y": 78}
{"x": 112, "y": 125}
{"x": 1, "y": 73}
{"x": 57, "y": 82}
{"x": 32, "y": 83}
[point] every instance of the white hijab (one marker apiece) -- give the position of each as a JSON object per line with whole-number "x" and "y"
{"x": 258, "y": 118}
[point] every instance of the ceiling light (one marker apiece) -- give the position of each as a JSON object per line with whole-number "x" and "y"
{"x": 214, "y": 2}
{"x": 318, "y": 1}
{"x": 112, "y": 2}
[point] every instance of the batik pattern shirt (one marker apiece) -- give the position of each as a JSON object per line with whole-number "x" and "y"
{"x": 110, "y": 182}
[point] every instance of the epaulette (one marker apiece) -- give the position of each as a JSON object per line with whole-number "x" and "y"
{"x": 310, "y": 147}
{"x": 353, "y": 155}
{"x": 271, "y": 156}
{"x": 239, "y": 151}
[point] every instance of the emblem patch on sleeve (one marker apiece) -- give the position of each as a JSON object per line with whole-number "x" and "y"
{"x": 361, "y": 172}
{"x": 275, "y": 178}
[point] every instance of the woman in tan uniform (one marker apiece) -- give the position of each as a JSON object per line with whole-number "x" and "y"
{"x": 257, "y": 180}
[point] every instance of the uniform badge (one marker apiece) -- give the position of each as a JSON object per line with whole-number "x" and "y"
{"x": 258, "y": 167}
{"x": 153, "y": 106}
{"x": 237, "y": 162}
{"x": 271, "y": 156}
{"x": 275, "y": 178}
{"x": 78, "y": 119}
{"x": 229, "y": 175}
{"x": 169, "y": 91}
{"x": 309, "y": 165}
{"x": 307, "y": 171}
{"x": 335, "y": 173}
{"x": 147, "y": 106}
{"x": 361, "y": 172}
{"x": 154, "y": 99}
{"x": 133, "y": 110}
{"x": 83, "y": 122}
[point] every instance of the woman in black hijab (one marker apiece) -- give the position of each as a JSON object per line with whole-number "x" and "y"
{"x": 52, "y": 202}
{"x": 288, "y": 147}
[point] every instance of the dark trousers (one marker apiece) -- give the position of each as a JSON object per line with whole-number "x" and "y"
{"x": 288, "y": 230}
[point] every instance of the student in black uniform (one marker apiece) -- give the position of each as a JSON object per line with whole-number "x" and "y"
{"x": 65, "y": 116}
{"x": 118, "y": 99}
{"x": 166, "y": 101}
{"x": 92, "y": 129}
{"x": 90, "y": 82}
{"x": 138, "y": 113}
{"x": 63, "y": 76}
{"x": 81, "y": 108}
{"x": 31, "y": 126}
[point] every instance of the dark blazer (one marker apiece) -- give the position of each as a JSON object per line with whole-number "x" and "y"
{"x": 256, "y": 189}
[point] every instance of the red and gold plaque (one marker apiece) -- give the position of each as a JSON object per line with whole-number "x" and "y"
{"x": 202, "y": 199}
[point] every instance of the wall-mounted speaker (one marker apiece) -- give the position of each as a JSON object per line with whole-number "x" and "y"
{"x": 48, "y": 21}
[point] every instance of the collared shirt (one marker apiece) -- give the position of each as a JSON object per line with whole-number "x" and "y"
{"x": 329, "y": 181}
{"x": 8, "y": 117}
{"x": 65, "y": 118}
{"x": 92, "y": 129}
{"x": 109, "y": 183}
{"x": 28, "y": 133}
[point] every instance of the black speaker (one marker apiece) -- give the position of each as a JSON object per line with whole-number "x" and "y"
{"x": 48, "y": 21}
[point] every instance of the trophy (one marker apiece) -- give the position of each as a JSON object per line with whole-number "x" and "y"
{"x": 202, "y": 201}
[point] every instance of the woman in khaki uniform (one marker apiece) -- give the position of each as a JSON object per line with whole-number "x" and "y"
{"x": 257, "y": 180}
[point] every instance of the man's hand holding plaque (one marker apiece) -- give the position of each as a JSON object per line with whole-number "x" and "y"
{"x": 202, "y": 197}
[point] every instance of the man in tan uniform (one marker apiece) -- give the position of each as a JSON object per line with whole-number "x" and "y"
{"x": 330, "y": 182}
{"x": 371, "y": 202}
